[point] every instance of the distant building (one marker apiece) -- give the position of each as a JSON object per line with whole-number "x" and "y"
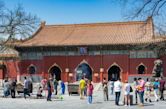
{"x": 112, "y": 50}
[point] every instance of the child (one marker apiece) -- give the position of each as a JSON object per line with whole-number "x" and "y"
{"x": 39, "y": 92}
{"x": 89, "y": 91}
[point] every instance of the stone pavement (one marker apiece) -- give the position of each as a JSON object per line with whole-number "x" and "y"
{"x": 72, "y": 102}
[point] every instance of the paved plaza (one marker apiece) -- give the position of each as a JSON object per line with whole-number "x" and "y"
{"x": 72, "y": 102}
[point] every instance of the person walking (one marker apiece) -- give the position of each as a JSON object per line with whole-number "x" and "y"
{"x": 82, "y": 88}
{"x": 135, "y": 84}
{"x": 49, "y": 88}
{"x": 90, "y": 92}
{"x": 26, "y": 87}
{"x": 141, "y": 88}
{"x": 117, "y": 90}
{"x": 162, "y": 88}
{"x": 127, "y": 88}
{"x": 148, "y": 88}
{"x": 105, "y": 89}
{"x": 156, "y": 86}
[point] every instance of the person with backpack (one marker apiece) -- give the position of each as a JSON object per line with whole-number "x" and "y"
{"x": 141, "y": 88}
{"x": 127, "y": 90}
{"x": 148, "y": 88}
{"x": 156, "y": 86}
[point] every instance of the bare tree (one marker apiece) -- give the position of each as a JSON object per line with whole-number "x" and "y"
{"x": 142, "y": 9}
{"x": 16, "y": 23}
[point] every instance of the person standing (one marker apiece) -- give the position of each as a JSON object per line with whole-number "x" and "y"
{"x": 148, "y": 88}
{"x": 105, "y": 89}
{"x": 162, "y": 85}
{"x": 135, "y": 84}
{"x": 156, "y": 86}
{"x": 39, "y": 92}
{"x": 141, "y": 88}
{"x": 26, "y": 88}
{"x": 44, "y": 86}
{"x": 82, "y": 88}
{"x": 55, "y": 82}
{"x": 89, "y": 91}
{"x": 13, "y": 88}
{"x": 6, "y": 88}
{"x": 117, "y": 90}
{"x": 127, "y": 88}
{"x": 49, "y": 89}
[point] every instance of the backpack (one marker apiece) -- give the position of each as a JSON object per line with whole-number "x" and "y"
{"x": 131, "y": 89}
{"x": 155, "y": 86}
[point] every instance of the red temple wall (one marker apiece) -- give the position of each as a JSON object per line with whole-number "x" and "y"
{"x": 11, "y": 69}
{"x": 128, "y": 65}
{"x": 134, "y": 63}
{"x": 164, "y": 65}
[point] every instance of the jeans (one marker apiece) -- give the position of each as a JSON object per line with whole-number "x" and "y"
{"x": 156, "y": 94}
{"x": 117, "y": 96}
{"x": 49, "y": 94}
{"x": 141, "y": 96}
{"x": 89, "y": 99}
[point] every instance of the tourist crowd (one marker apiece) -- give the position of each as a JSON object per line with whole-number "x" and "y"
{"x": 129, "y": 91}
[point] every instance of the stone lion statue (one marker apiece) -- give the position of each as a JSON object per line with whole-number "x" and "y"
{"x": 158, "y": 68}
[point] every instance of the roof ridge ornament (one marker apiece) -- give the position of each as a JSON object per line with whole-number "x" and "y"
{"x": 43, "y": 23}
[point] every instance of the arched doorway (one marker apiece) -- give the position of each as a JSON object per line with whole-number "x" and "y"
{"x": 83, "y": 70}
{"x": 4, "y": 71}
{"x": 114, "y": 73}
{"x": 141, "y": 69}
{"x": 55, "y": 72}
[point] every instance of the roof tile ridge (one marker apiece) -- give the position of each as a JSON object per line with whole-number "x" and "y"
{"x": 96, "y": 24}
{"x": 34, "y": 34}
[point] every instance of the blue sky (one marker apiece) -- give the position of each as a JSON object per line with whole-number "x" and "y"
{"x": 71, "y": 11}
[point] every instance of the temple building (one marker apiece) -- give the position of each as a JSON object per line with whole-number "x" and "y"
{"x": 112, "y": 50}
